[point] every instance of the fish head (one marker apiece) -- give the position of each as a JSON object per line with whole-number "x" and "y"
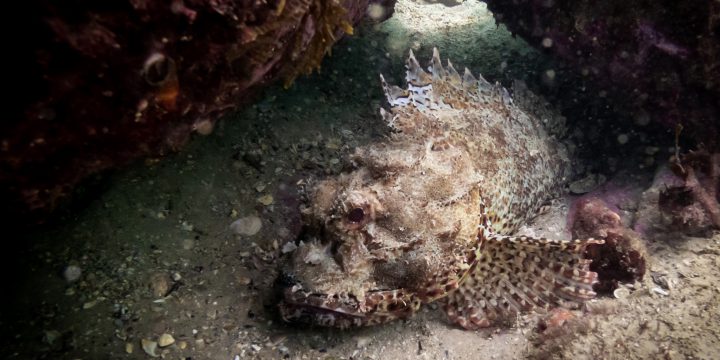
{"x": 380, "y": 241}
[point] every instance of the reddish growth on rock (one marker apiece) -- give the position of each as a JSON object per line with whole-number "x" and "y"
{"x": 621, "y": 259}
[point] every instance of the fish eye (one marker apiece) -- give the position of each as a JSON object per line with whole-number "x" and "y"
{"x": 356, "y": 215}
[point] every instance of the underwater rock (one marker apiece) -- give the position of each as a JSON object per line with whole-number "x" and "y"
{"x": 694, "y": 206}
{"x": 112, "y": 81}
{"x": 648, "y": 218}
{"x": 622, "y": 258}
{"x": 682, "y": 197}
{"x": 658, "y": 59}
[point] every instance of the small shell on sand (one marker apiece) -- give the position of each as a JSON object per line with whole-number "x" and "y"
{"x": 621, "y": 293}
{"x": 249, "y": 225}
{"x": 150, "y": 347}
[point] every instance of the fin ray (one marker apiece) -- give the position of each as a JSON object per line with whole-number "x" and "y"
{"x": 526, "y": 274}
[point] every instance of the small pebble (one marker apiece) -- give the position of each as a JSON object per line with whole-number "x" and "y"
{"x": 266, "y": 200}
{"x": 72, "y": 273}
{"x": 660, "y": 291}
{"x": 277, "y": 339}
{"x": 159, "y": 284}
{"x": 89, "y": 304}
{"x": 622, "y": 139}
{"x": 621, "y": 293}
{"x": 187, "y": 226}
{"x": 165, "y": 340}
{"x": 289, "y": 247}
{"x": 362, "y": 342}
{"x": 550, "y": 74}
{"x": 188, "y": 244}
{"x": 204, "y": 127}
{"x": 51, "y": 336}
{"x": 129, "y": 348}
{"x": 248, "y": 226}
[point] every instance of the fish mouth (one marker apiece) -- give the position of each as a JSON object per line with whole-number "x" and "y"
{"x": 338, "y": 310}
{"x": 345, "y": 310}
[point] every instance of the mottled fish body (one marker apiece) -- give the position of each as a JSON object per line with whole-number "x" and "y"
{"x": 429, "y": 214}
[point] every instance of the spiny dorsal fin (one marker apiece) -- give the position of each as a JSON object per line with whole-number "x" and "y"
{"x": 453, "y": 76}
{"x": 469, "y": 81}
{"x": 430, "y": 91}
{"x": 436, "y": 66}
{"x": 394, "y": 94}
{"x": 506, "y": 98}
{"x": 415, "y": 75}
{"x": 484, "y": 86}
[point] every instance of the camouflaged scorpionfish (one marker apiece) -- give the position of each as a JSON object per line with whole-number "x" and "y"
{"x": 428, "y": 215}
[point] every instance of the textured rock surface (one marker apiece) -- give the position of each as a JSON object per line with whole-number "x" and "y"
{"x": 659, "y": 60}
{"x": 696, "y": 204}
{"x": 108, "y": 82}
{"x": 622, "y": 258}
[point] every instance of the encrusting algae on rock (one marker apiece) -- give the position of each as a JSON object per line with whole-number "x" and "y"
{"x": 429, "y": 213}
